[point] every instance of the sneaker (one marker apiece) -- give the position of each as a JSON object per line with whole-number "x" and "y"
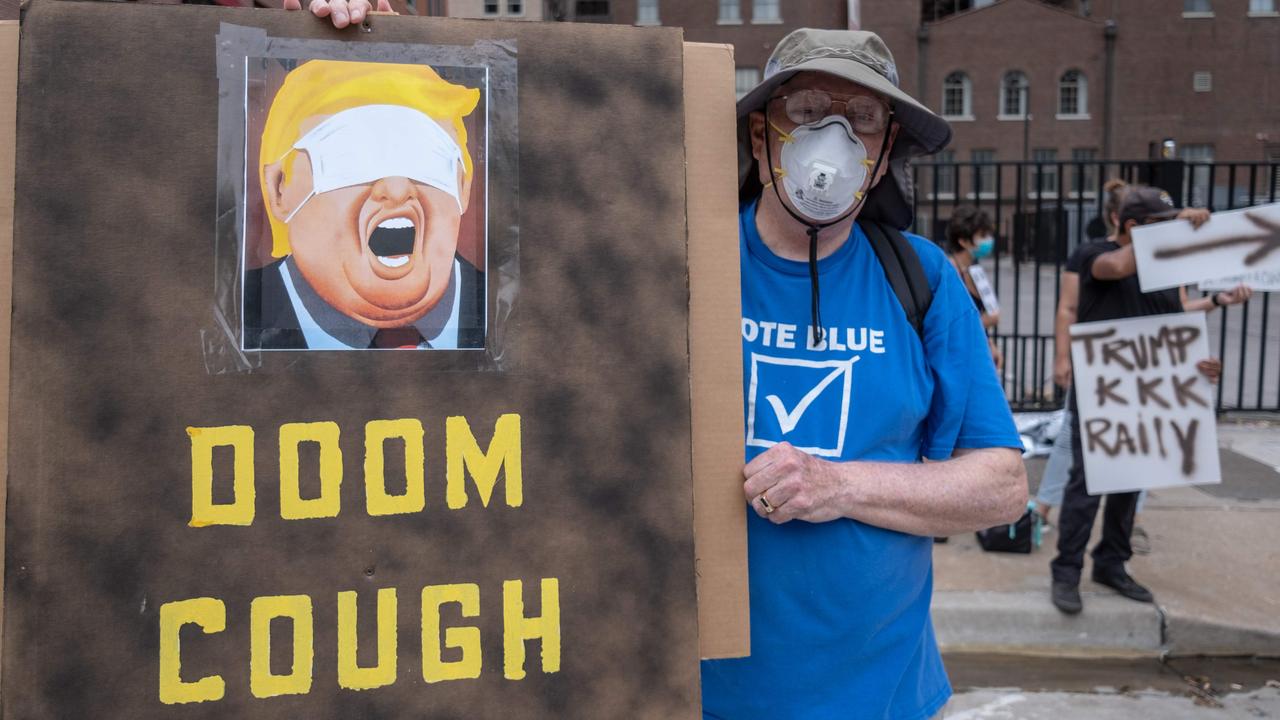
{"x": 1066, "y": 597}
{"x": 1120, "y": 581}
{"x": 1139, "y": 541}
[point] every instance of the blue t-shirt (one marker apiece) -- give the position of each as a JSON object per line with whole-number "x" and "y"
{"x": 840, "y": 622}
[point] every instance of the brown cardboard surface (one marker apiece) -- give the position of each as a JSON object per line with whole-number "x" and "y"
{"x": 715, "y": 351}
{"x": 116, "y": 157}
{"x": 8, "y": 112}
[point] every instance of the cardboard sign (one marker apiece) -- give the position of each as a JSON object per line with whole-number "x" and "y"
{"x": 990, "y": 302}
{"x": 1146, "y": 415}
{"x": 715, "y": 316}
{"x": 1232, "y": 243}
{"x": 346, "y": 534}
{"x": 1260, "y": 281}
{"x": 8, "y": 103}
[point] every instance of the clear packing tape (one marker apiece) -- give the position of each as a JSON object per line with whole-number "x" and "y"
{"x": 368, "y": 241}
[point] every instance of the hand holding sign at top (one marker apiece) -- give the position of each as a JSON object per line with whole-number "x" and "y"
{"x": 342, "y": 12}
{"x": 1237, "y": 244}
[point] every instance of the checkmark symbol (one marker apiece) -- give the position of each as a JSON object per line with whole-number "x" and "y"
{"x": 788, "y": 420}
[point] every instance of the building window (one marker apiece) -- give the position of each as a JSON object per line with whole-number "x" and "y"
{"x": 957, "y": 97}
{"x": 591, "y": 8}
{"x": 1202, "y": 81}
{"x": 730, "y": 12}
{"x": 647, "y": 12}
{"x": 944, "y": 173}
{"x": 1043, "y": 177}
{"x": 1073, "y": 95}
{"x": 1262, "y": 8}
{"x": 515, "y": 7}
{"x": 1200, "y": 156}
{"x": 1084, "y": 172}
{"x": 1013, "y": 96}
{"x": 765, "y": 11}
{"x": 1197, "y": 8}
{"x": 1196, "y": 153}
{"x": 984, "y": 162}
{"x": 491, "y": 8}
{"x": 744, "y": 79}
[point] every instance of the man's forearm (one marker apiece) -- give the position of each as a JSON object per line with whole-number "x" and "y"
{"x": 975, "y": 489}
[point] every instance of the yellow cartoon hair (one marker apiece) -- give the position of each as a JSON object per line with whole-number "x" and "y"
{"x": 325, "y": 87}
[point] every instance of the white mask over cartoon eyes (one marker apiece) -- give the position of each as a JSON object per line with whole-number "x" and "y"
{"x": 824, "y": 166}
{"x": 367, "y": 143}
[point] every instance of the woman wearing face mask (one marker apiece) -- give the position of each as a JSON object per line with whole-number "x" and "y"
{"x": 969, "y": 239}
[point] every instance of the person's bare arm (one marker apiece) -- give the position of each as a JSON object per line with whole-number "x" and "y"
{"x": 1115, "y": 265}
{"x": 974, "y": 489}
{"x": 1234, "y": 296}
{"x": 1068, "y": 297}
{"x": 1121, "y": 263}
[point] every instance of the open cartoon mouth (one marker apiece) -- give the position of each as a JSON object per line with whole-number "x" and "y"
{"x": 392, "y": 241}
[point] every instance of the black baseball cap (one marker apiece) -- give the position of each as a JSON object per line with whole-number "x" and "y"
{"x": 1144, "y": 204}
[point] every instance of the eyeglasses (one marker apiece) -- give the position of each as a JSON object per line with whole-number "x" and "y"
{"x": 867, "y": 115}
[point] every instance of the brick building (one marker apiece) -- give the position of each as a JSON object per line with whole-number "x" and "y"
{"x": 1108, "y": 78}
{"x": 1057, "y": 79}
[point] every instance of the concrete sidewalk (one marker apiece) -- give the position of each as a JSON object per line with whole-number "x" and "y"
{"x": 1214, "y": 568}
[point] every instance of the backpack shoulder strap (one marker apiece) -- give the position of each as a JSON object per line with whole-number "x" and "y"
{"x": 902, "y": 268}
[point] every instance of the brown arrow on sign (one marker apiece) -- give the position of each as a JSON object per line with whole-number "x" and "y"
{"x": 1268, "y": 242}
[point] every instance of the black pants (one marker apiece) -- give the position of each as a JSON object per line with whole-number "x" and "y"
{"x": 1075, "y": 521}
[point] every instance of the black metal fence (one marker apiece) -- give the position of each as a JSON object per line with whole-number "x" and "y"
{"x": 1043, "y": 210}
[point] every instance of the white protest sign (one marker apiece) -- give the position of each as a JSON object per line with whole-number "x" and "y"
{"x": 1235, "y": 242}
{"x": 988, "y": 294}
{"x": 1260, "y": 281}
{"x": 1145, "y": 411}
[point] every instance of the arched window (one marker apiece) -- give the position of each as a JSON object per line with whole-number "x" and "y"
{"x": 1073, "y": 94}
{"x": 1013, "y": 94}
{"x": 957, "y": 96}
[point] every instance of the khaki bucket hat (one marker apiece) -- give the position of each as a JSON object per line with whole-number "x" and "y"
{"x": 861, "y": 57}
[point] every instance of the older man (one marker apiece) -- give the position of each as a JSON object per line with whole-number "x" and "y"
{"x": 853, "y": 376}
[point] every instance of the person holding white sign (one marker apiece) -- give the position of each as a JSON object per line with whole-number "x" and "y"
{"x": 1054, "y": 481}
{"x": 1109, "y": 290}
{"x": 969, "y": 239}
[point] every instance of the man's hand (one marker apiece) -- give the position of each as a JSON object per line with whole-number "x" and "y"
{"x": 1235, "y": 296}
{"x": 1211, "y": 369}
{"x": 1195, "y": 216}
{"x": 342, "y": 12}
{"x": 795, "y": 484}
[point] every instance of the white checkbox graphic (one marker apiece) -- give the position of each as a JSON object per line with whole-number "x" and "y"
{"x": 828, "y": 376}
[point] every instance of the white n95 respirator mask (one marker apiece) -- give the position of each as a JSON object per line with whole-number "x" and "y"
{"x": 824, "y": 166}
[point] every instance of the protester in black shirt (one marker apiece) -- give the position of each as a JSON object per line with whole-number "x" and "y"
{"x": 1109, "y": 290}
{"x": 1054, "y": 480}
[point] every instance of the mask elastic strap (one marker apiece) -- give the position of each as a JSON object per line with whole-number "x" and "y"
{"x": 310, "y": 195}
{"x": 813, "y": 228}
